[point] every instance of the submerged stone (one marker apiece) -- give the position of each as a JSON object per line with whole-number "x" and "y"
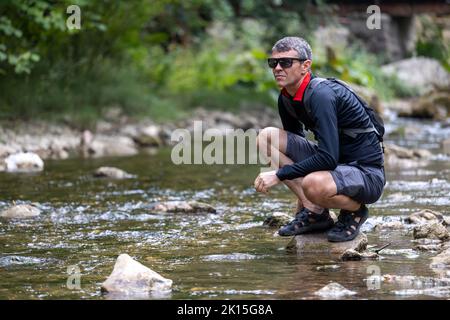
{"x": 111, "y": 172}
{"x": 353, "y": 255}
{"x": 277, "y": 219}
{"x": 425, "y": 216}
{"x": 24, "y": 162}
{"x": 129, "y": 277}
{"x": 434, "y": 230}
{"x": 334, "y": 290}
{"x": 318, "y": 243}
{"x": 21, "y": 211}
{"x": 184, "y": 207}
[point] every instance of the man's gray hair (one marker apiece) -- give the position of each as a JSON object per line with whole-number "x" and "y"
{"x": 296, "y": 43}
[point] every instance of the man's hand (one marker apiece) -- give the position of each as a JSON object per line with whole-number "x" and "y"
{"x": 266, "y": 180}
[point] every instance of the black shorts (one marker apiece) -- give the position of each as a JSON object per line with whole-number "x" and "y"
{"x": 362, "y": 183}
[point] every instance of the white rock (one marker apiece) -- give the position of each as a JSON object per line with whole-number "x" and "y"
{"x": 423, "y": 79}
{"x": 149, "y": 135}
{"x": 111, "y": 172}
{"x": 129, "y": 277}
{"x": 24, "y": 162}
{"x": 334, "y": 290}
{"x": 21, "y": 211}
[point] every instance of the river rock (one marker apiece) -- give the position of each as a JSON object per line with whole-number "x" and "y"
{"x": 149, "y": 136}
{"x": 21, "y": 211}
{"x": 424, "y": 216}
{"x": 277, "y": 219}
{"x": 5, "y": 151}
{"x": 111, "y": 172}
{"x": 318, "y": 243}
{"x": 396, "y": 156}
{"x": 334, "y": 290}
{"x": 353, "y": 255}
{"x": 184, "y": 207}
{"x": 103, "y": 146}
{"x": 434, "y": 105}
{"x": 129, "y": 277}
{"x": 434, "y": 230}
{"x": 24, "y": 162}
{"x": 442, "y": 259}
{"x": 431, "y": 73}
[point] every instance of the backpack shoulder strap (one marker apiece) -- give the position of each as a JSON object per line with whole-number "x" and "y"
{"x": 354, "y": 132}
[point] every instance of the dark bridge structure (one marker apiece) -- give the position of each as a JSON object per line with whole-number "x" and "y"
{"x": 396, "y": 38}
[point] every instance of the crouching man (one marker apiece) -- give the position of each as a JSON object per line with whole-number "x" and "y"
{"x": 344, "y": 169}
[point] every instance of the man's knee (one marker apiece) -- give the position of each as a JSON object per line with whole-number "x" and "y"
{"x": 266, "y": 135}
{"x": 318, "y": 186}
{"x": 269, "y": 136}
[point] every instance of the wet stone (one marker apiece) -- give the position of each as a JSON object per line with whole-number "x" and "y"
{"x": 353, "y": 255}
{"x": 21, "y": 211}
{"x": 24, "y": 162}
{"x": 442, "y": 260}
{"x": 428, "y": 247}
{"x": 334, "y": 290}
{"x": 318, "y": 243}
{"x": 111, "y": 172}
{"x": 424, "y": 216}
{"x": 130, "y": 278}
{"x": 184, "y": 207}
{"x": 328, "y": 267}
{"x": 277, "y": 219}
{"x": 433, "y": 230}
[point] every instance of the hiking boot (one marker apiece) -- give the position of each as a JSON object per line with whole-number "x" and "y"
{"x": 307, "y": 221}
{"x": 348, "y": 224}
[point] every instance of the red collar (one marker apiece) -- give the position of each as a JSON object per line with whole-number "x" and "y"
{"x": 301, "y": 90}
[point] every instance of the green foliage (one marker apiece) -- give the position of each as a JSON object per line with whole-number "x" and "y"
{"x": 430, "y": 42}
{"x": 156, "y": 57}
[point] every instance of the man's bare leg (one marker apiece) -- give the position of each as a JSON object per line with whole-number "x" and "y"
{"x": 315, "y": 191}
{"x": 278, "y": 158}
{"x": 320, "y": 188}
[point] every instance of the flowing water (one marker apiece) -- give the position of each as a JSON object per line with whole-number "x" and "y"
{"x": 87, "y": 222}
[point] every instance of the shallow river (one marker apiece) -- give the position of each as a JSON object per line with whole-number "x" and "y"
{"x": 88, "y": 222}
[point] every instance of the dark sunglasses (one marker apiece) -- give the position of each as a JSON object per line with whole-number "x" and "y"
{"x": 284, "y": 62}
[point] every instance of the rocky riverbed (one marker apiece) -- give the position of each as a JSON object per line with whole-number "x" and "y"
{"x": 202, "y": 226}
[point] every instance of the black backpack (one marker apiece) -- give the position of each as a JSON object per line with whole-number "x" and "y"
{"x": 377, "y": 121}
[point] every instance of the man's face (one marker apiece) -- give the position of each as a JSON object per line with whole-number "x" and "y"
{"x": 286, "y": 77}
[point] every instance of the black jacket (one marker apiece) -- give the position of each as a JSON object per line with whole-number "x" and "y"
{"x": 333, "y": 107}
